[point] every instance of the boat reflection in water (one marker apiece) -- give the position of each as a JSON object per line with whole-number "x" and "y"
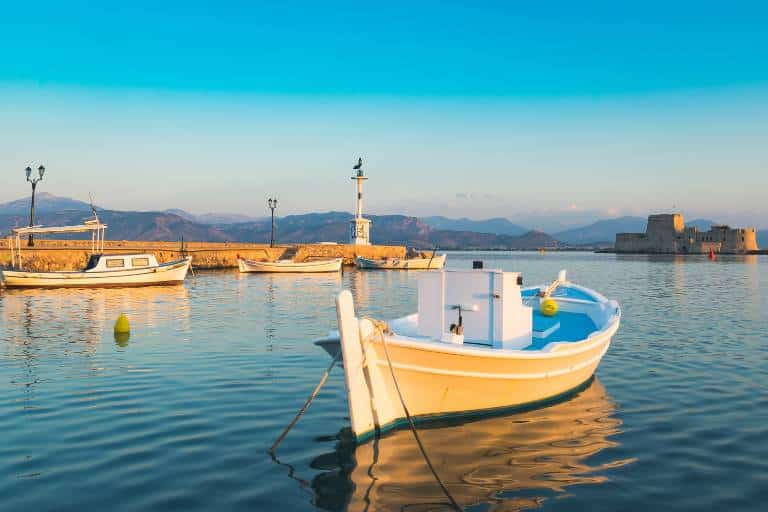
{"x": 512, "y": 462}
{"x": 87, "y": 315}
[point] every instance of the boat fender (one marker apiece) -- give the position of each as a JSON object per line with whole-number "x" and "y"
{"x": 122, "y": 325}
{"x": 548, "y": 307}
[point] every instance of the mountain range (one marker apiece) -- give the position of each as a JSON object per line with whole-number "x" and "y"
{"x": 44, "y": 202}
{"x": 213, "y": 218}
{"x": 497, "y": 226}
{"x": 425, "y": 233}
{"x": 313, "y": 227}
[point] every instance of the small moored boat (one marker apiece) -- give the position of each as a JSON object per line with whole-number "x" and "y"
{"x": 289, "y": 266}
{"x": 479, "y": 343}
{"x": 102, "y": 270}
{"x": 418, "y": 263}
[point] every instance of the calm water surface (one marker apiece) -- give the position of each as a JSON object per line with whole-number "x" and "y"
{"x": 179, "y": 416}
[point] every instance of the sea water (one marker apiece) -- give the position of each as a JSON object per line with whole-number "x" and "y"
{"x": 179, "y": 416}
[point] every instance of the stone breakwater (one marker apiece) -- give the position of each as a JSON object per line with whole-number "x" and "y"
{"x": 51, "y": 255}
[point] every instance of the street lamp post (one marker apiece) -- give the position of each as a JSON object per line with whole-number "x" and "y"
{"x": 33, "y": 181}
{"x": 272, "y": 203}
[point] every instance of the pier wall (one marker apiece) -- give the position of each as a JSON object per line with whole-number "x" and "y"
{"x": 49, "y": 255}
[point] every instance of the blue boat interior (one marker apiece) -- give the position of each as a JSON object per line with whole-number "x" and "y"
{"x": 565, "y": 326}
{"x": 565, "y": 292}
{"x": 562, "y": 327}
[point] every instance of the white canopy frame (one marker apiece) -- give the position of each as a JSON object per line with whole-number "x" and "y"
{"x": 94, "y": 226}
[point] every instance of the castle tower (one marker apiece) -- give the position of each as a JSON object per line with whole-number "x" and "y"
{"x": 360, "y": 228}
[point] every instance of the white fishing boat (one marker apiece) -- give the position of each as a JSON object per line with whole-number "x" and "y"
{"x": 478, "y": 343}
{"x": 102, "y": 270}
{"x": 289, "y": 266}
{"x": 435, "y": 262}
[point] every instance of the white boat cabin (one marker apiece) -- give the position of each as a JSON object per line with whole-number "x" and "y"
{"x": 491, "y": 308}
{"x": 482, "y": 306}
{"x": 113, "y": 263}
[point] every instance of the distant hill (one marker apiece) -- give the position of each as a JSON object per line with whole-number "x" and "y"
{"x": 425, "y": 233}
{"x": 497, "y": 226}
{"x": 387, "y": 230}
{"x": 604, "y": 231}
{"x": 181, "y": 213}
{"x": 307, "y": 228}
{"x": 445, "y": 239}
{"x": 213, "y": 218}
{"x": 44, "y": 202}
{"x": 126, "y": 225}
{"x": 702, "y": 224}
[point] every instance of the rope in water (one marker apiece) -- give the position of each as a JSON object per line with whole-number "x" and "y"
{"x": 412, "y": 426}
{"x": 304, "y": 408}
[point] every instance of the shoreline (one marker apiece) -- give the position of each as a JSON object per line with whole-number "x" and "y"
{"x": 629, "y": 253}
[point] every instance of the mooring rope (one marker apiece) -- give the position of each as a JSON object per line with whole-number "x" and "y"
{"x": 429, "y": 265}
{"x": 454, "y": 504}
{"x": 304, "y": 407}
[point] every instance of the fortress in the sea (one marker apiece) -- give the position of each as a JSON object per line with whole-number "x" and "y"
{"x": 666, "y": 233}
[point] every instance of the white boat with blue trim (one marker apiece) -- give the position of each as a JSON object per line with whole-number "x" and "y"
{"x": 479, "y": 343}
{"x": 101, "y": 270}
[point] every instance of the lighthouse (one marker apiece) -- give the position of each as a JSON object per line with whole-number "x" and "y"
{"x": 359, "y": 228}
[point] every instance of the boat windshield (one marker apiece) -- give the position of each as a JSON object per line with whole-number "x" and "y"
{"x": 93, "y": 261}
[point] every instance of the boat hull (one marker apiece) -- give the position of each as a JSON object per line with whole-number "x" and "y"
{"x": 435, "y": 263}
{"x": 165, "y": 274}
{"x": 333, "y": 265}
{"x": 440, "y": 379}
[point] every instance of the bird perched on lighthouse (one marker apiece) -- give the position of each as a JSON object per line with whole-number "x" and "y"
{"x": 359, "y": 226}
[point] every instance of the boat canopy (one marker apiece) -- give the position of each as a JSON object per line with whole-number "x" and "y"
{"x": 94, "y": 226}
{"x": 80, "y": 228}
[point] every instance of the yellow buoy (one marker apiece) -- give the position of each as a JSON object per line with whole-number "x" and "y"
{"x": 548, "y": 307}
{"x": 122, "y": 325}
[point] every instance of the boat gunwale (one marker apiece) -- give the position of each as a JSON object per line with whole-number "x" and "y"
{"x": 552, "y": 349}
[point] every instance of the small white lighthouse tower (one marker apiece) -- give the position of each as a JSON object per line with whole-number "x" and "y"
{"x": 359, "y": 228}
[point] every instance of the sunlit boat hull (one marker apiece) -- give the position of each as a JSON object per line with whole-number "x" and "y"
{"x": 440, "y": 379}
{"x": 435, "y": 263}
{"x": 165, "y": 274}
{"x": 289, "y": 266}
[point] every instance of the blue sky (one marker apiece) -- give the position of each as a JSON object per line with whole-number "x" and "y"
{"x": 566, "y": 110}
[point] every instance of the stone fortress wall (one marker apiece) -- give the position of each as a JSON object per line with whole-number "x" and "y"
{"x": 667, "y": 233}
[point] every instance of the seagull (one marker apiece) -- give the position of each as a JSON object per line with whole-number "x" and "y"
{"x": 359, "y": 164}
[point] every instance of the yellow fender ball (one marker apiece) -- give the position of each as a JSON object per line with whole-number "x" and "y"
{"x": 122, "y": 325}
{"x": 548, "y": 307}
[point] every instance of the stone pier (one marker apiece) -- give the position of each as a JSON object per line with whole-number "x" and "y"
{"x": 50, "y": 255}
